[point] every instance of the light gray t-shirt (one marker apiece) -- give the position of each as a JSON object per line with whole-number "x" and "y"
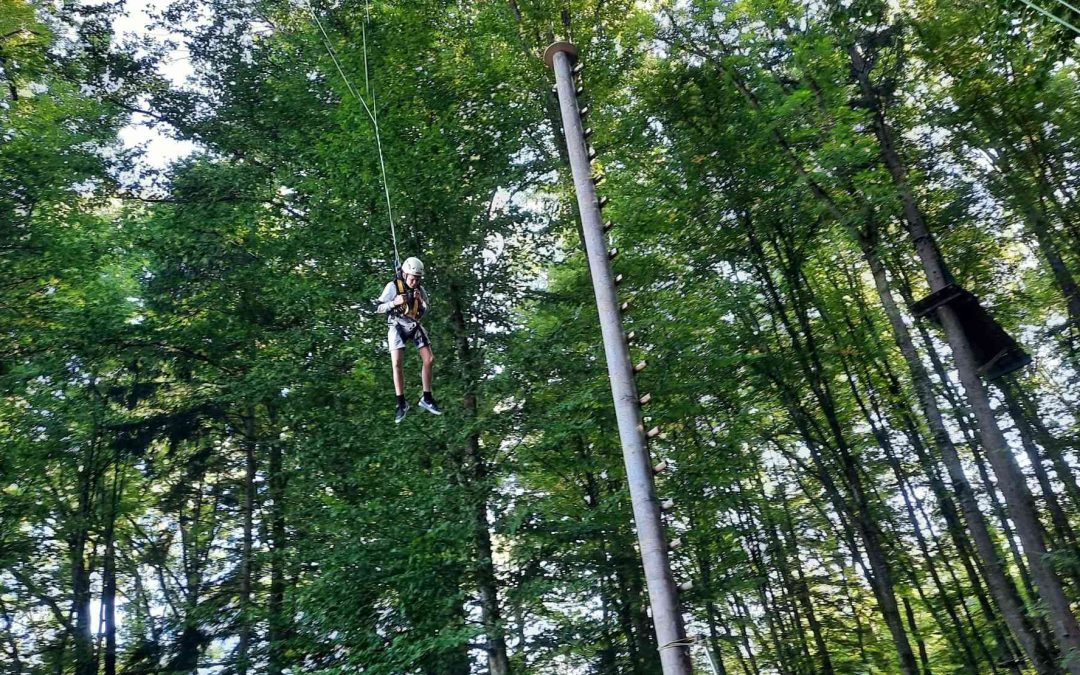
{"x": 386, "y": 306}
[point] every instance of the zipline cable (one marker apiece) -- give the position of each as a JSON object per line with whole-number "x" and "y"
{"x": 1074, "y": 9}
{"x": 372, "y": 113}
{"x": 1050, "y": 15}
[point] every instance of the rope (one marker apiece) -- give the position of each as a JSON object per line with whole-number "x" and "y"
{"x": 372, "y": 111}
{"x": 688, "y": 641}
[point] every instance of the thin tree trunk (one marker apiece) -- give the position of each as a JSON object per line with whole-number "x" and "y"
{"x": 716, "y": 655}
{"x": 85, "y": 660}
{"x": 741, "y": 643}
{"x": 1063, "y": 531}
{"x": 786, "y": 148}
{"x": 924, "y": 658}
{"x": 769, "y": 610}
{"x": 711, "y": 616}
{"x": 14, "y": 655}
{"x": 702, "y": 559}
{"x": 946, "y": 450}
{"x": 277, "y": 621}
{"x": 1036, "y": 216}
{"x": 644, "y": 635}
{"x": 964, "y": 494}
{"x": 1064, "y": 279}
{"x": 483, "y": 564}
{"x": 778, "y": 560}
{"x": 928, "y": 403}
{"x": 1037, "y": 622}
{"x": 190, "y": 515}
{"x": 498, "y": 662}
{"x": 108, "y": 595}
{"x": 244, "y": 637}
{"x": 803, "y": 588}
{"x": 626, "y": 611}
{"x": 522, "y": 641}
{"x": 1052, "y": 446}
{"x": 743, "y": 620}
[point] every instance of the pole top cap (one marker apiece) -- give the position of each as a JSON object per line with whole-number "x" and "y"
{"x": 569, "y": 49}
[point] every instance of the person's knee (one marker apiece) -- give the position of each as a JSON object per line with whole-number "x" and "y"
{"x": 429, "y": 357}
{"x": 395, "y": 357}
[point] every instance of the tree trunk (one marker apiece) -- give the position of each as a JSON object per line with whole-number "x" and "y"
{"x": 924, "y": 658}
{"x": 1010, "y": 480}
{"x": 245, "y": 628}
{"x": 965, "y": 496}
{"x": 483, "y": 564}
{"x": 741, "y": 642}
{"x": 778, "y": 560}
{"x": 990, "y": 489}
{"x": 770, "y": 612}
{"x": 1001, "y": 586}
{"x": 929, "y": 466}
{"x": 85, "y": 659}
{"x": 108, "y": 594}
{"x": 711, "y": 617}
{"x": 745, "y": 619}
{"x": 875, "y": 418}
{"x": 626, "y": 609}
{"x": 1033, "y": 207}
{"x": 802, "y": 590}
{"x": 14, "y": 656}
{"x": 278, "y": 622}
{"x": 1062, "y": 276}
{"x": 990, "y": 563}
{"x": 498, "y": 663}
{"x": 1063, "y": 531}
{"x": 1052, "y": 446}
{"x": 191, "y": 640}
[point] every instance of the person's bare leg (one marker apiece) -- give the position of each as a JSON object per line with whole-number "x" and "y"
{"x": 397, "y": 356}
{"x": 429, "y": 359}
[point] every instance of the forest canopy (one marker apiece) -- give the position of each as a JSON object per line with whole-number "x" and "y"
{"x": 848, "y": 234}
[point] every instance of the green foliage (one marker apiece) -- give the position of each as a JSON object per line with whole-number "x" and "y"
{"x": 197, "y": 404}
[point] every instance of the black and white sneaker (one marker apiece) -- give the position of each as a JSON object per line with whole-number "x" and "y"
{"x": 402, "y": 410}
{"x": 430, "y": 405}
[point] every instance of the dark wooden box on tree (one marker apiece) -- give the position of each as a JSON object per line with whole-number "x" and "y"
{"x": 995, "y": 350}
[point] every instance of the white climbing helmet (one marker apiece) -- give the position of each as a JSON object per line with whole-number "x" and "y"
{"x": 413, "y": 266}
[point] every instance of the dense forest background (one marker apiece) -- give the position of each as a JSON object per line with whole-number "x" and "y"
{"x": 200, "y": 470}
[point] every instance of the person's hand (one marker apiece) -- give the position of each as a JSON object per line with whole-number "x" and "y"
{"x": 399, "y": 301}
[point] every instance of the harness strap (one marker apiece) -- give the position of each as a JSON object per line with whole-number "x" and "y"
{"x": 412, "y": 299}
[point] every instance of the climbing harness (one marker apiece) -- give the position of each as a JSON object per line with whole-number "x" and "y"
{"x": 412, "y": 298}
{"x": 371, "y": 110}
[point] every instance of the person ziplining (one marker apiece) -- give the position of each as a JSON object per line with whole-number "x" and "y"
{"x": 404, "y": 300}
{"x": 405, "y": 303}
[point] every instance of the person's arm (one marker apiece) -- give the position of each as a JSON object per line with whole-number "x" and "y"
{"x": 386, "y": 300}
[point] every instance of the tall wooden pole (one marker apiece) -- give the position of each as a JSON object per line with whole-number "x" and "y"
{"x": 663, "y": 593}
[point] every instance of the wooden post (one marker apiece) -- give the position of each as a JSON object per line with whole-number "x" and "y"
{"x": 663, "y": 593}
